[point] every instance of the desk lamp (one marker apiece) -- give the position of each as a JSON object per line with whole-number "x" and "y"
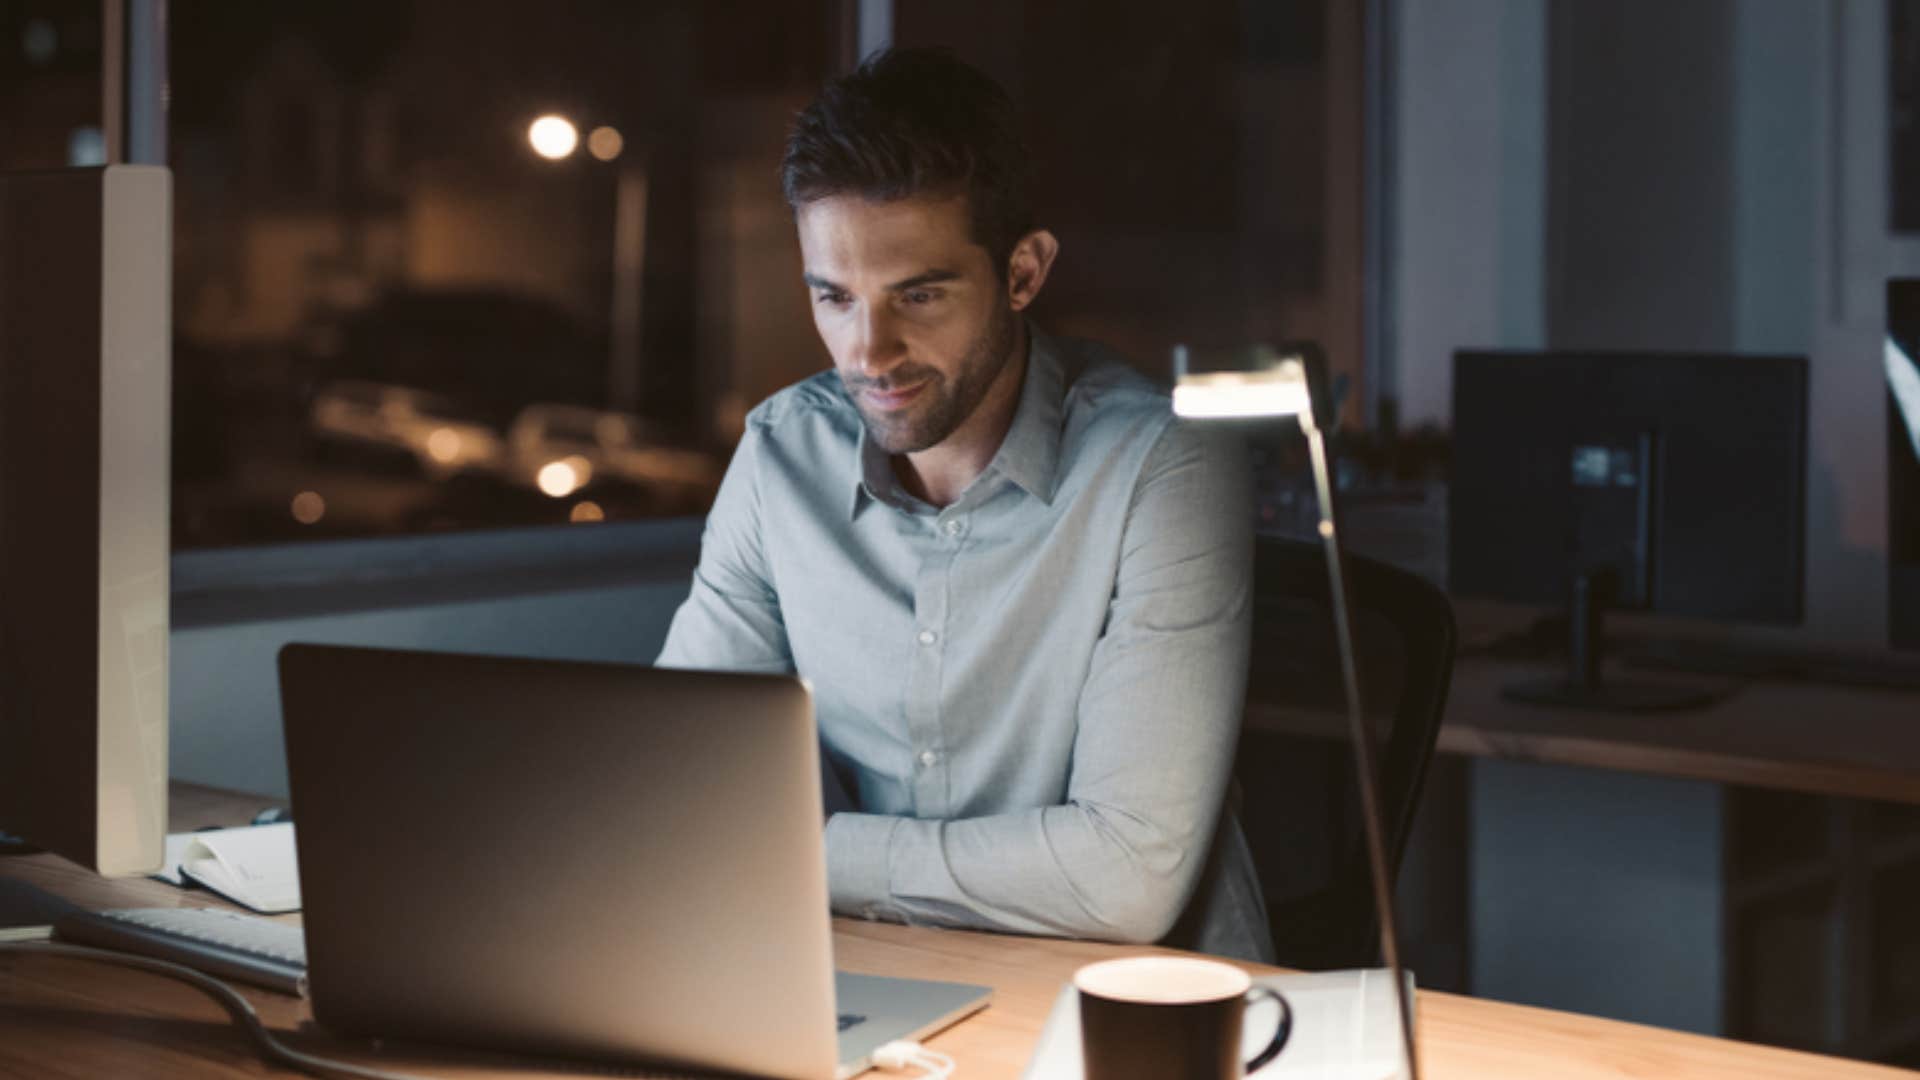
{"x": 1293, "y": 383}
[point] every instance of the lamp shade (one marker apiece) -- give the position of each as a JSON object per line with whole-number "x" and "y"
{"x": 1251, "y": 382}
{"x": 1277, "y": 391}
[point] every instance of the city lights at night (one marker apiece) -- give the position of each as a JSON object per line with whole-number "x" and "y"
{"x": 605, "y": 143}
{"x": 309, "y": 508}
{"x": 553, "y": 137}
{"x": 562, "y": 478}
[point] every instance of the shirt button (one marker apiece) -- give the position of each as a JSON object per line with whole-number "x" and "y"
{"x": 928, "y": 637}
{"x": 928, "y": 757}
{"x": 955, "y": 527}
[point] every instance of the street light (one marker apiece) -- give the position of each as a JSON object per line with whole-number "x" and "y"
{"x": 555, "y": 138}
{"x": 605, "y": 143}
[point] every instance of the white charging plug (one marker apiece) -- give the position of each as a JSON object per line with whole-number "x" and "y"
{"x": 900, "y": 1054}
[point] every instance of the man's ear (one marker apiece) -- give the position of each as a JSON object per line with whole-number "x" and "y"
{"x": 1028, "y": 265}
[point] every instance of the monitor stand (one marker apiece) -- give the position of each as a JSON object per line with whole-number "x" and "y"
{"x": 1583, "y": 686}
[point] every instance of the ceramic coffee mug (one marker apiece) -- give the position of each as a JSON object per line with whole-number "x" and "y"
{"x": 1155, "y": 1017}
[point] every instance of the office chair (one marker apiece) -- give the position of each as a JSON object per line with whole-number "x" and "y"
{"x": 1299, "y": 800}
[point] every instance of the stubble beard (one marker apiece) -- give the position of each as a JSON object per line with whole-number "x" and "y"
{"x": 940, "y": 408}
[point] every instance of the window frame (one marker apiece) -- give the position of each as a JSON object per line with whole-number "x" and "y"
{"x": 231, "y": 585}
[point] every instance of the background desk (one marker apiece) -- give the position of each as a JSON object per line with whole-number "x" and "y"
{"x": 1748, "y": 869}
{"x": 1819, "y": 739}
{"x": 59, "y": 1017}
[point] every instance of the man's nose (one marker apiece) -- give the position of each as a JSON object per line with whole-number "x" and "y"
{"x": 877, "y": 346}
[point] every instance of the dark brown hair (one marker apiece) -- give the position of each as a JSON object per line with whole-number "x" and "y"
{"x": 915, "y": 122}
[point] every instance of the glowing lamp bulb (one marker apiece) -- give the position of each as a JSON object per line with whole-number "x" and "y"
{"x": 553, "y": 137}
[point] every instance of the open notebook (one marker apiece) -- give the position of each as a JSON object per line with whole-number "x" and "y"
{"x": 253, "y": 866}
{"x": 1345, "y": 1027}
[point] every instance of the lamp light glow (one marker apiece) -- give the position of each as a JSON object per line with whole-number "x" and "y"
{"x": 1275, "y": 384}
{"x": 553, "y": 137}
{"x": 1280, "y": 391}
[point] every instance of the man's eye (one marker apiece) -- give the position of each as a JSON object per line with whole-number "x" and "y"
{"x": 833, "y": 298}
{"x": 921, "y": 296}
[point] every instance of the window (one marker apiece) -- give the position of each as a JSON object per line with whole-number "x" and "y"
{"x": 399, "y": 308}
{"x": 49, "y": 85}
{"x": 397, "y": 311}
{"x": 1200, "y": 162}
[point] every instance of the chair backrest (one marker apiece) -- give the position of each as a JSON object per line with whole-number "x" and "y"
{"x": 1300, "y": 803}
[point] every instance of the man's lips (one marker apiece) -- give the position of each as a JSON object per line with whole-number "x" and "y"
{"x": 895, "y": 398}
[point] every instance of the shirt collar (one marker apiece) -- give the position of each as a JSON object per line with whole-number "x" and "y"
{"x": 1029, "y": 456}
{"x": 873, "y": 477}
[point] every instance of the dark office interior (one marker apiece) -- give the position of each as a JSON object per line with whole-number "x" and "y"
{"x": 1619, "y": 302}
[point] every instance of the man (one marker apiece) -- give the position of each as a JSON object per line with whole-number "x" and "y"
{"x": 1018, "y": 588}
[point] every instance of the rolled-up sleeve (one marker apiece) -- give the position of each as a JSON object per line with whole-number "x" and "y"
{"x": 1157, "y": 722}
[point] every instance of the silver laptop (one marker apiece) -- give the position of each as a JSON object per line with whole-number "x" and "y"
{"x": 584, "y": 860}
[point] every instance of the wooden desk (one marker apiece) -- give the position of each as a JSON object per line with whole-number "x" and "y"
{"x": 1820, "y": 739}
{"x": 64, "y": 1018}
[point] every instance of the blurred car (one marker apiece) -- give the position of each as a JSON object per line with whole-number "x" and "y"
{"x": 561, "y": 449}
{"x": 492, "y": 350}
{"x": 442, "y": 439}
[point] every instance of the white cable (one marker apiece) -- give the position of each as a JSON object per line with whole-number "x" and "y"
{"x": 901, "y": 1053}
{"x": 237, "y": 1007}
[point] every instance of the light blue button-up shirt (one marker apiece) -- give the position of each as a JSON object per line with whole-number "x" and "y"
{"x": 1036, "y": 691}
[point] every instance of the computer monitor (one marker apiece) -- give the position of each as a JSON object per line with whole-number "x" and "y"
{"x": 85, "y": 264}
{"x": 1666, "y": 483}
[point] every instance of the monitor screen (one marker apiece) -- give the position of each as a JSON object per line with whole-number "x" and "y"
{"x": 1684, "y": 475}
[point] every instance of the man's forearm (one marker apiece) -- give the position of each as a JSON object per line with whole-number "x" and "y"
{"x": 1077, "y": 870}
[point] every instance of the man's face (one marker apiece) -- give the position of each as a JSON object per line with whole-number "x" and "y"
{"x": 909, "y": 305}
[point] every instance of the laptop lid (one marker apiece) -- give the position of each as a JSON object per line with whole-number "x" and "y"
{"x": 581, "y": 859}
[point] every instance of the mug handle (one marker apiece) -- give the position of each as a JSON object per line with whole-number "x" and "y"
{"x": 1280, "y": 1033}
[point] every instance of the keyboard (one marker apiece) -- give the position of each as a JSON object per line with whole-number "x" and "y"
{"x": 225, "y": 944}
{"x": 222, "y": 943}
